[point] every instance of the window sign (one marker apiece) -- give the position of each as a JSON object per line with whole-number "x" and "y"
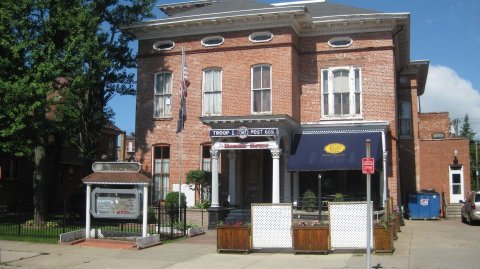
{"x": 116, "y": 203}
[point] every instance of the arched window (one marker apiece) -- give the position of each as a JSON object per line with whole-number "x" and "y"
{"x": 161, "y": 171}
{"x": 212, "y": 91}
{"x": 163, "y": 95}
{"x": 341, "y": 92}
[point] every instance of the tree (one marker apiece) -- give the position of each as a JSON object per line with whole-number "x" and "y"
{"x": 202, "y": 180}
{"x": 468, "y": 133}
{"x": 467, "y": 130}
{"x": 77, "y": 40}
{"x": 101, "y": 56}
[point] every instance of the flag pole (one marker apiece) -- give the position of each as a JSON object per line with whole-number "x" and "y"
{"x": 182, "y": 87}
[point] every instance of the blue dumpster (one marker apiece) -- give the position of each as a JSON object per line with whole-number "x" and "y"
{"x": 424, "y": 205}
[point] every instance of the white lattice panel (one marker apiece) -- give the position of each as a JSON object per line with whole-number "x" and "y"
{"x": 272, "y": 225}
{"x": 348, "y": 224}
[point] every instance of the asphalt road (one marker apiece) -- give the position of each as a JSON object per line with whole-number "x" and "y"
{"x": 421, "y": 244}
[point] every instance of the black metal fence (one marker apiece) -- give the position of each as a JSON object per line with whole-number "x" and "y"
{"x": 18, "y": 221}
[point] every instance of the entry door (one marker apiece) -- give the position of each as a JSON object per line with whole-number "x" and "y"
{"x": 253, "y": 170}
{"x": 457, "y": 191}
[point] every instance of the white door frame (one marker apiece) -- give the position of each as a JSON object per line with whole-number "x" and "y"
{"x": 454, "y": 198}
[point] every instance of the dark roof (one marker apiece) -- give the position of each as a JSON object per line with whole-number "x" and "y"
{"x": 319, "y": 9}
{"x": 110, "y": 126}
{"x": 223, "y": 6}
{"x": 330, "y": 9}
{"x": 117, "y": 178}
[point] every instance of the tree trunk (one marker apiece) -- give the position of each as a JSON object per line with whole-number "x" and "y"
{"x": 39, "y": 186}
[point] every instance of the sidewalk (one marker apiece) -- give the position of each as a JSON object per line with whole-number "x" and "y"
{"x": 421, "y": 244}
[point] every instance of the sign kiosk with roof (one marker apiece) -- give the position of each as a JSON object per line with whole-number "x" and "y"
{"x": 114, "y": 202}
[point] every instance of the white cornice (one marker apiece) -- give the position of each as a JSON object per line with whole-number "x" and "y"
{"x": 342, "y": 127}
{"x": 218, "y": 26}
{"x": 277, "y": 11}
{"x": 301, "y": 23}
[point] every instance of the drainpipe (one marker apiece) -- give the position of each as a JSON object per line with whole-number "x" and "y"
{"x": 384, "y": 157}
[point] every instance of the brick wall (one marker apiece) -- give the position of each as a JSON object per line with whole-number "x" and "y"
{"x": 433, "y": 123}
{"x": 295, "y": 62}
{"x": 197, "y": 216}
{"x": 435, "y": 158}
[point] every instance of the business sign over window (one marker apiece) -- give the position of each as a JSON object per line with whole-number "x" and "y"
{"x": 244, "y": 132}
{"x": 116, "y": 203}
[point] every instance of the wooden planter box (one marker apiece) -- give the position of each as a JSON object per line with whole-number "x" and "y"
{"x": 383, "y": 238}
{"x": 398, "y": 222}
{"x": 231, "y": 238}
{"x": 311, "y": 239}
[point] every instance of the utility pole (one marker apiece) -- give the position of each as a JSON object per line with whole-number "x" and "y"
{"x": 476, "y": 165}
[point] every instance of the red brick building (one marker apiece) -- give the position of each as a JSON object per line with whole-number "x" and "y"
{"x": 280, "y": 94}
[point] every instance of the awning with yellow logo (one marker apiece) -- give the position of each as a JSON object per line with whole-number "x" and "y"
{"x": 333, "y": 151}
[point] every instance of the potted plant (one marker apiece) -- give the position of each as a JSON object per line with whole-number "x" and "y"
{"x": 311, "y": 238}
{"x": 234, "y": 236}
{"x": 383, "y": 233}
{"x": 194, "y": 230}
{"x": 309, "y": 201}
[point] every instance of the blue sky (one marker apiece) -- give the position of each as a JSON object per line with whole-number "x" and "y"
{"x": 445, "y": 32}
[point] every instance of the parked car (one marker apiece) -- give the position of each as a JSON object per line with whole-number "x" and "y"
{"x": 471, "y": 207}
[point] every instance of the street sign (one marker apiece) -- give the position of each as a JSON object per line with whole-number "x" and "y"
{"x": 368, "y": 165}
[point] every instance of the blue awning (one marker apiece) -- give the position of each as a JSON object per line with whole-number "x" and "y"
{"x": 333, "y": 151}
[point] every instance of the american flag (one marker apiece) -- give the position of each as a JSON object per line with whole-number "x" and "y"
{"x": 185, "y": 79}
{"x": 184, "y": 83}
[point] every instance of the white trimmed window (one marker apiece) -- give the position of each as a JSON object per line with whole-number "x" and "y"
{"x": 341, "y": 92}
{"x": 130, "y": 147}
{"x": 163, "y": 95}
{"x": 206, "y": 158}
{"x": 212, "y": 91}
{"x": 163, "y": 45}
{"x": 405, "y": 118}
{"x": 261, "y": 89}
{"x": 212, "y": 41}
{"x": 259, "y": 37}
{"x": 161, "y": 172}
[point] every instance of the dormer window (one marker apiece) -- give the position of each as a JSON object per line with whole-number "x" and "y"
{"x": 163, "y": 45}
{"x": 259, "y": 37}
{"x": 340, "y": 42}
{"x": 211, "y": 41}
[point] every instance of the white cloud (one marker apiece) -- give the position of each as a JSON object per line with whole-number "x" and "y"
{"x": 446, "y": 91}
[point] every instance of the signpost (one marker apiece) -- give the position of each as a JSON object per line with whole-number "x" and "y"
{"x": 368, "y": 165}
{"x": 368, "y": 168}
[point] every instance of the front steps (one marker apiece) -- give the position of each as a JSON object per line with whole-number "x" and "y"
{"x": 237, "y": 215}
{"x": 454, "y": 211}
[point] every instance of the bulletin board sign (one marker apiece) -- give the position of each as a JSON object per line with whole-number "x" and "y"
{"x": 116, "y": 203}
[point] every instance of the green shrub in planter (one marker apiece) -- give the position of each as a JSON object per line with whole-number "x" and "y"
{"x": 172, "y": 199}
{"x": 171, "y": 204}
{"x": 309, "y": 201}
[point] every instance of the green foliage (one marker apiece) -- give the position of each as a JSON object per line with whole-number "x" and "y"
{"x": 67, "y": 57}
{"x": 172, "y": 199}
{"x": 202, "y": 180}
{"x": 338, "y": 197}
{"x": 309, "y": 201}
{"x": 467, "y": 130}
{"x": 73, "y": 48}
{"x": 204, "y": 204}
{"x": 199, "y": 177}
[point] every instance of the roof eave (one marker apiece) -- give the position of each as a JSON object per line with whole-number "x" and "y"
{"x": 296, "y": 10}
